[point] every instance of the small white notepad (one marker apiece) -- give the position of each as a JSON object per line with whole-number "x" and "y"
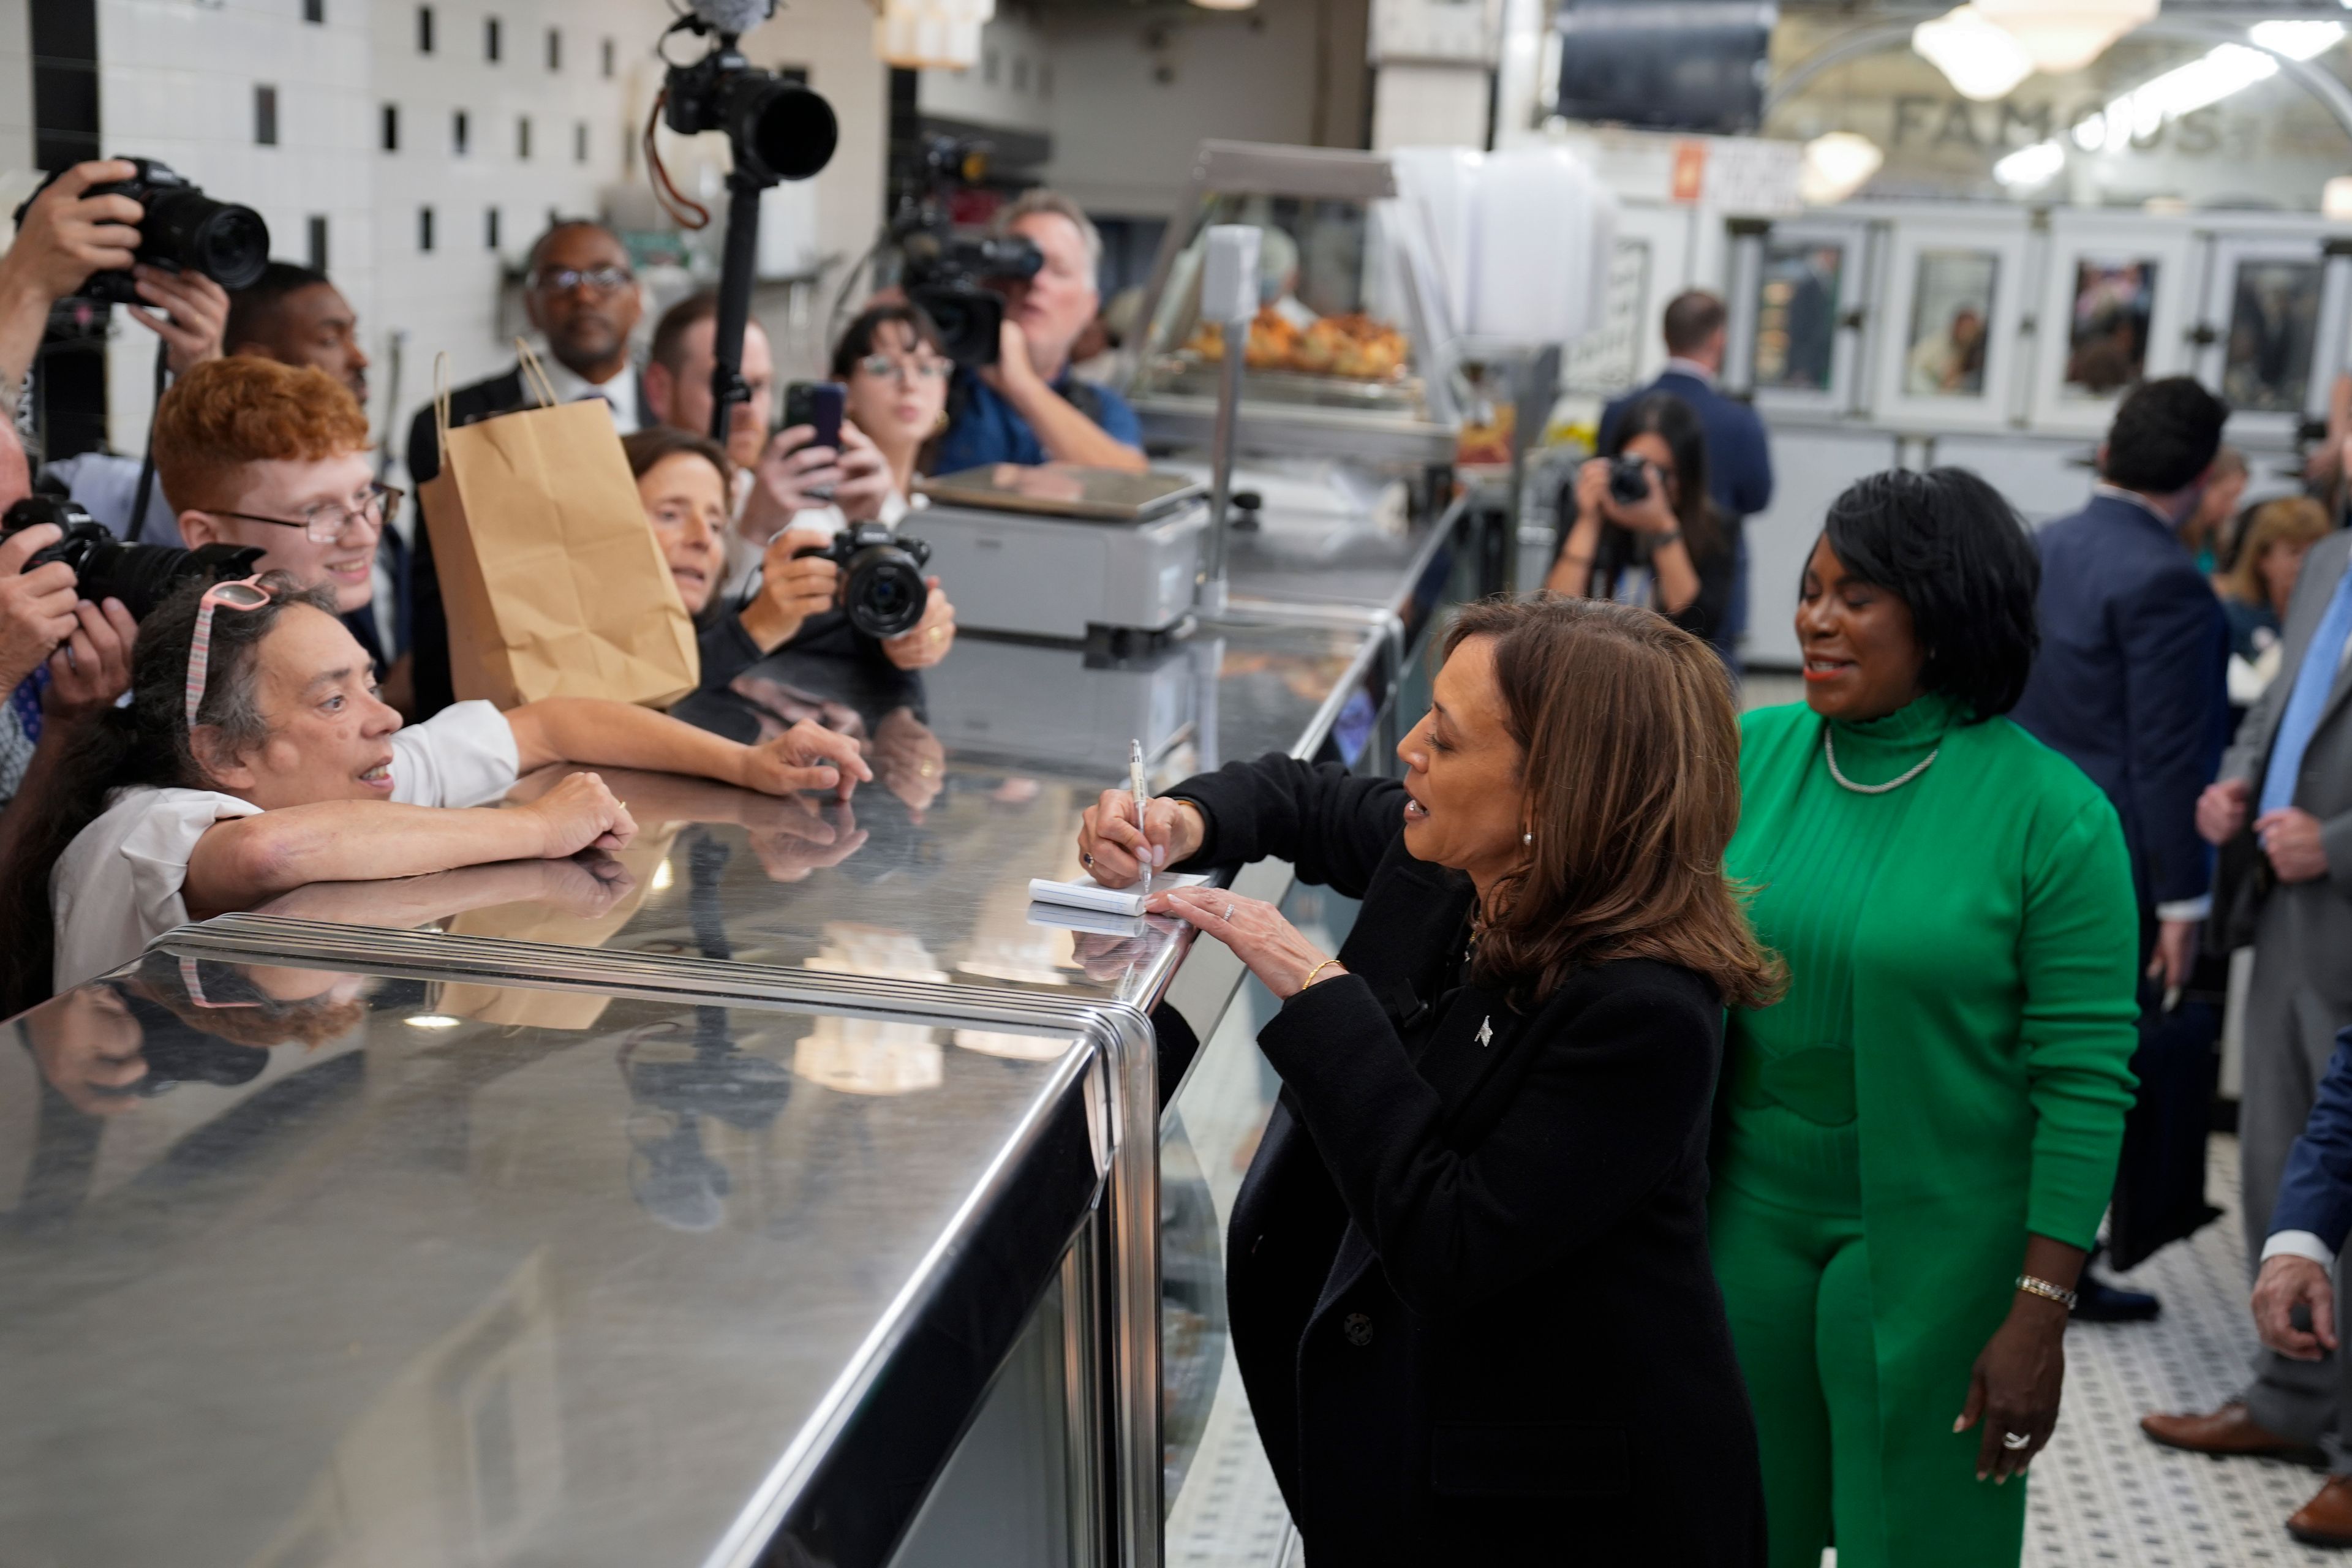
{"x": 1086, "y": 893}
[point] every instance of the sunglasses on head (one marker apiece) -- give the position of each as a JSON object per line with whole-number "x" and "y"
{"x": 242, "y": 593}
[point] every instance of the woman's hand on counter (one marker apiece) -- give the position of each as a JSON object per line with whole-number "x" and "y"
{"x": 1113, "y": 850}
{"x": 1259, "y": 934}
{"x": 580, "y": 813}
{"x": 806, "y": 756}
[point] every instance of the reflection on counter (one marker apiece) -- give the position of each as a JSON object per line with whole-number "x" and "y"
{"x": 922, "y": 874}
{"x": 299, "y": 1266}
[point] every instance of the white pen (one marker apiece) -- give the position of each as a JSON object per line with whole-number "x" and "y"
{"x": 1140, "y": 788}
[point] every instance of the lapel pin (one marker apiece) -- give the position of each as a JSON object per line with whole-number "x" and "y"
{"x": 1485, "y": 1032}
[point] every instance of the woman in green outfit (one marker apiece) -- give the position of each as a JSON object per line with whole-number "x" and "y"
{"x": 1914, "y": 1147}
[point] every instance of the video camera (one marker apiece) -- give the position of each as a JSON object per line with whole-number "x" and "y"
{"x": 141, "y": 575}
{"x": 181, "y": 230}
{"x": 947, "y": 274}
{"x": 882, "y": 585}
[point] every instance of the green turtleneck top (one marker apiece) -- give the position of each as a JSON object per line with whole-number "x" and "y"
{"x": 1791, "y": 1085}
{"x": 1964, "y": 940}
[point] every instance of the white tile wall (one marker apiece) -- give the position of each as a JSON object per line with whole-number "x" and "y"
{"x": 16, "y": 87}
{"x": 177, "y": 83}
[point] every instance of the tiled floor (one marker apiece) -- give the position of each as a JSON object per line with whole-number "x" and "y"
{"x": 2102, "y": 1493}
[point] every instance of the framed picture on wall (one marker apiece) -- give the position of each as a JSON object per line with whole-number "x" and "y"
{"x": 1801, "y": 354}
{"x": 1949, "y": 337}
{"x": 1944, "y": 350}
{"x": 2259, "y": 323}
{"x": 2114, "y": 313}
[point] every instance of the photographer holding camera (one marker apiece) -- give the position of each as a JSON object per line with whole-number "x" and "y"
{"x": 1028, "y": 407}
{"x": 1644, "y": 503}
{"x": 781, "y": 481}
{"x": 72, "y": 231}
{"x": 62, "y": 658}
{"x": 683, "y": 481}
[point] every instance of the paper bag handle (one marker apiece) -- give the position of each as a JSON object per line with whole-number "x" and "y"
{"x": 534, "y": 375}
{"x": 441, "y": 397}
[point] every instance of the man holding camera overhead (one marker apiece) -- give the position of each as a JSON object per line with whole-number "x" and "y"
{"x": 70, "y": 234}
{"x": 62, "y": 658}
{"x": 1028, "y": 407}
{"x": 582, "y": 295}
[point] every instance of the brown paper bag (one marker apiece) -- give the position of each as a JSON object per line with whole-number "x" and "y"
{"x": 553, "y": 581}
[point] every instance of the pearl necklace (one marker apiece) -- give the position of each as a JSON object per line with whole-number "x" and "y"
{"x": 1828, "y": 750}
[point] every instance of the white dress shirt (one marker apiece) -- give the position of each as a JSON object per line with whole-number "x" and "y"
{"x": 621, "y": 392}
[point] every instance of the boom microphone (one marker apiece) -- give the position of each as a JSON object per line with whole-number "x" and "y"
{"x": 732, "y": 16}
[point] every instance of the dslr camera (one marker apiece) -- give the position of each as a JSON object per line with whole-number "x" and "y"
{"x": 1629, "y": 480}
{"x": 141, "y": 575}
{"x": 949, "y": 275}
{"x": 181, "y": 230}
{"x": 882, "y": 585}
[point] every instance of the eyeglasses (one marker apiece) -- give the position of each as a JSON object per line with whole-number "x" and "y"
{"x": 598, "y": 279}
{"x": 326, "y": 522}
{"x": 884, "y": 368}
{"x": 244, "y": 593}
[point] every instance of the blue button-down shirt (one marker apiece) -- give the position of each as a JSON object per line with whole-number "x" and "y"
{"x": 989, "y": 429}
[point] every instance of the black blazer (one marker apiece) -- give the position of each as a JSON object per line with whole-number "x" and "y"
{"x": 1470, "y": 1292}
{"x": 428, "y": 625}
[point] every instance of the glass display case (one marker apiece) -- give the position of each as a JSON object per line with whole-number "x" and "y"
{"x": 1345, "y": 357}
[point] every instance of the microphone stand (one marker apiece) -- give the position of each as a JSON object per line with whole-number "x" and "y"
{"x": 728, "y": 387}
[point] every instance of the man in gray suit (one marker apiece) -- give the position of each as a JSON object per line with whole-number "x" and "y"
{"x": 2289, "y": 779}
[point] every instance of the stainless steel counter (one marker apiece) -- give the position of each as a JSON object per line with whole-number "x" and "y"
{"x": 679, "y": 1204}
{"x": 334, "y": 1266}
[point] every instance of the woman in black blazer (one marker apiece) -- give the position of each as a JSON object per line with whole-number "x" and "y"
{"x": 1468, "y": 1272}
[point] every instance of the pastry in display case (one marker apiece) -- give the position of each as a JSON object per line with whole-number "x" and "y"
{"x": 1339, "y": 360}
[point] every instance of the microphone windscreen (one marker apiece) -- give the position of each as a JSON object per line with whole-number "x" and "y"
{"x": 734, "y": 16}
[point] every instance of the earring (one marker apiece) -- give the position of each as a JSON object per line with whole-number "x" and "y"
{"x": 1528, "y": 839}
{"x": 940, "y": 426}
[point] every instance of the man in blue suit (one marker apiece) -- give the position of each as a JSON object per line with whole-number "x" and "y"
{"x": 2300, "y": 1393}
{"x": 1738, "y": 457}
{"x": 2130, "y": 680}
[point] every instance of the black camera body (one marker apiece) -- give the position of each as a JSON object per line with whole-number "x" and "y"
{"x": 949, "y": 276}
{"x": 1629, "y": 479}
{"x": 882, "y": 585}
{"x": 141, "y": 575}
{"x": 181, "y": 230}
{"x": 778, "y": 129}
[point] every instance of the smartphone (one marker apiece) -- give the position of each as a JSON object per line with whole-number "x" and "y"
{"x": 819, "y": 404}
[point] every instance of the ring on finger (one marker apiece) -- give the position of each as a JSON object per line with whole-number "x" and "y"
{"x": 2013, "y": 1441}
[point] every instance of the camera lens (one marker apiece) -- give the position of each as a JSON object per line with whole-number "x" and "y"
{"x": 787, "y": 129}
{"x": 227, "y": 243}
{"x": 886, "y": 593}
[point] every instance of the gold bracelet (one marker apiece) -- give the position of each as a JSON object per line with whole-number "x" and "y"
{"x": 1316, "y": 971}
{"x": 2034, "y": 1284}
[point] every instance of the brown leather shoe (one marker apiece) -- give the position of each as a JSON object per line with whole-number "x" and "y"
{"x": 2228, "y": 1430}
{"x": 2326, "y": 1519}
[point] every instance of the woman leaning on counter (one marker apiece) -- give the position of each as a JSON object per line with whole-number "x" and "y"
{"x": 1468, "y": 1272}
{"x": 1916, "y": 1141}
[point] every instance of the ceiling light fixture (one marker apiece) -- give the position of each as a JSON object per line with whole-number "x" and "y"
{"x": 2221, "y": 71}
{"x": 1835, "y": 167}
{"x": 936, "y": 35}
{"x": 2060, "y": 35}
{"x": 1980, "y": 61}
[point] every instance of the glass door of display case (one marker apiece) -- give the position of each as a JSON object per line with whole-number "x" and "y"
{"x": 1954, "y": 299}
{"x": 2118, "y": 298}
{"x": 2260, "y": 328}
{"x": 1804, "y": 354}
